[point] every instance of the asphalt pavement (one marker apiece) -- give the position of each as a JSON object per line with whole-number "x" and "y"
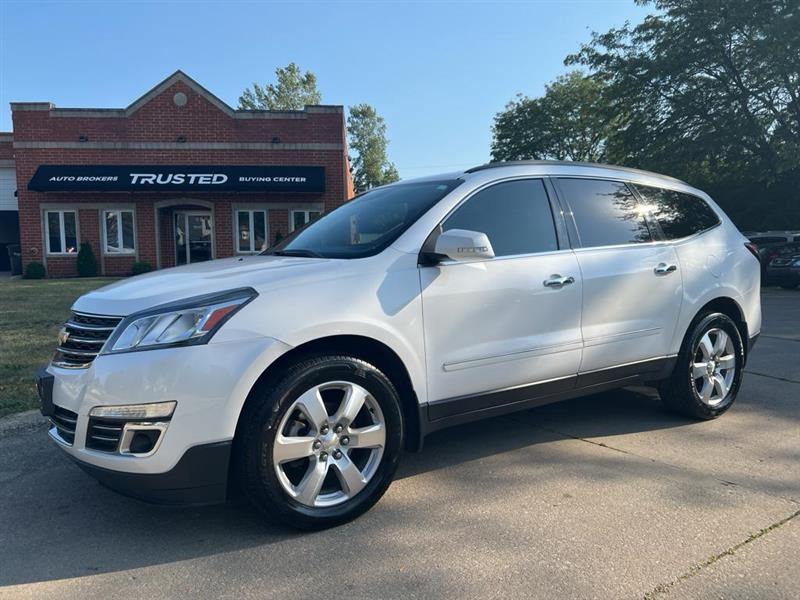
{"x": 607, "y": 496}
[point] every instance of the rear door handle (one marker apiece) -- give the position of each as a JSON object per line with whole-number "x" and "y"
{"x": 557, "y": 281}
{"x": 664, "y": 268}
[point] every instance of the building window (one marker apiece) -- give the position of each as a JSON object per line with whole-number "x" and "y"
{"x": 251, "y": 230}
{"x": 62, "y": 231}
{"x": 301, "y": 217}
{"x": 119, "y": 232}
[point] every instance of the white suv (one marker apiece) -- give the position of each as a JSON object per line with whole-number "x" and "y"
{"x": 303, "y": 372}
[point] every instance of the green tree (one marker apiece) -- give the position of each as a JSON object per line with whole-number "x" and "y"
{"x": 367, "y": 137}
{"x": 705, "y": 88}
{"x": 569, "y": 122}
{"x": 292, "y": 91}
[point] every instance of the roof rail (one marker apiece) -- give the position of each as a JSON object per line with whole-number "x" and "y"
{"x": 568, "y": 163}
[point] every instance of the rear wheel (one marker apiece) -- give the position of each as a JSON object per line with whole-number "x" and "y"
{"x": 707, "y": 376}
{"x": 321, "y": 447}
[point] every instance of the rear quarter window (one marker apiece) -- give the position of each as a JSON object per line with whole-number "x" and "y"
{"x": 678, "y": 214}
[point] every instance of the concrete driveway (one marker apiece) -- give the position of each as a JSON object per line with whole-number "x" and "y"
{"x": 601, "y": 497}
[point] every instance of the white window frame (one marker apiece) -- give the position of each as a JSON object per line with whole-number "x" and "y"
{"x": 306, "y": 215}
{"x": 62, "y": 233}
{"x": 122, "y": 251}
{"x": 251, "y": 222}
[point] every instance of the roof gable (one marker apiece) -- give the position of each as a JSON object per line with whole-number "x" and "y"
{"x": 168, "y": 83}
{"x": 160, "y": 88}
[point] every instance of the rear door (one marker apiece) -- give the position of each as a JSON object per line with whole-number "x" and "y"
{"x": 502, "y": 324}
{"x": 631, "y": 281}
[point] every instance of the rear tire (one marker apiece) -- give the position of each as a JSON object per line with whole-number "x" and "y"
{"x": 320, "y": 446}
{"x": 708, "y": 372}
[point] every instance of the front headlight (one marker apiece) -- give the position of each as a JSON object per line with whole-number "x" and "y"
{"x": 184, "y": 323}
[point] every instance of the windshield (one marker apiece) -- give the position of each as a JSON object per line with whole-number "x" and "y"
{"x": 367, "y": 224}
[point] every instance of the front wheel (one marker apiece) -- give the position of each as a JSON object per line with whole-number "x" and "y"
{"x": 321, "y": 447}
{"x": 708, "y": 372}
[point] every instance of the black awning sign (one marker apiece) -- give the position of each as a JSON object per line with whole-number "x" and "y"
{"x": 159, "y": 178}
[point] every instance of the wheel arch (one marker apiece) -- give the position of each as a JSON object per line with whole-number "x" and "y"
{"x": 373, "y": 351}
{"x": 728, "y": 306}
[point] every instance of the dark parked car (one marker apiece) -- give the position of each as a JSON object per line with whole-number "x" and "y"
{"x": 767, "y": 245}
{"x": 783, "y": 268}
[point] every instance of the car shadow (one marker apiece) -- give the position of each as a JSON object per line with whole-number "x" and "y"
{"x": 59, "y": 523}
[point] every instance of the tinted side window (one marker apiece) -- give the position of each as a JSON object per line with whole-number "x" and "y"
{"x": 679, "y": 215}
{"x": 606, "y": 212}
{"x": 515, "y": 215}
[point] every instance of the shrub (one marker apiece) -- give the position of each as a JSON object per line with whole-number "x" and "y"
{"x": 87, "y": 263}
{"x": 278, "y": 237}
{"x": 34, "y": 270}
{"x": 141, "y": 267}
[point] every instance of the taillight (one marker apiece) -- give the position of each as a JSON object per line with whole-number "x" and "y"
{"x": 753, "y": 250}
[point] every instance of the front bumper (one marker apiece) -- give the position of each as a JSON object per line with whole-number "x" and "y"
{"x": 200, "y": 477}
{"x": 209, "y": 383}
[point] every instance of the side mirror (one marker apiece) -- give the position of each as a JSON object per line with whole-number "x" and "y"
{"x": 462, "y": 244}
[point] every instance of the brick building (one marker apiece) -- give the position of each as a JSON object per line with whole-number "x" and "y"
{"x": 176, "y": 177}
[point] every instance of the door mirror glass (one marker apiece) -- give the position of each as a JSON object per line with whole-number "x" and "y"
{"x": 463, "y": 244}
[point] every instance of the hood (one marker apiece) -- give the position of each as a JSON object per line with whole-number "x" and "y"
{"x": 152, "y": 289}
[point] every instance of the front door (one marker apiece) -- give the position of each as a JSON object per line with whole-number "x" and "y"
{"x": 494, "y": 327}
{"x": 193, "y": 237}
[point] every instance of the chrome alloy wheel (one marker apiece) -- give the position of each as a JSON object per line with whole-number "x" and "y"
{"x": 329, "y": 444}
{"x": 714, "y": 366}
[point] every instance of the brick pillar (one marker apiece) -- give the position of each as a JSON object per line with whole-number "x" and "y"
{"x": 278, "y": 221}
{"x": 223, "y": 229}
{"x": 146, "y": 232}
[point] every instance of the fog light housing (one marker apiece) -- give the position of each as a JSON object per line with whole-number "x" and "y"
{"x": 155, "y": 410}
{"x": 144, "y": 441}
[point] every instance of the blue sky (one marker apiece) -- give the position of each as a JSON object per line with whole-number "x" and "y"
{"x": 437, "y": 72}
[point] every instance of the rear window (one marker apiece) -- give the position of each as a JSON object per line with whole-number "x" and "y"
{"x": 679, "y": 215}
{"x": 606, "y": 213}
{"x": 768, "y": 240}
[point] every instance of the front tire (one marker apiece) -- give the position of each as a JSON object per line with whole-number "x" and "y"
{"x": 708, "y": 373}
{"x": 321, "y": 446}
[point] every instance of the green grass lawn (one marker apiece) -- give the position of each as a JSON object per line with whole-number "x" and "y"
{"x": 31, "y": 314}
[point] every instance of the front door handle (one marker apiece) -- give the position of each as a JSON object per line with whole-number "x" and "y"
{"x": 664, "y": 268}
{"x": 557, "y": 281}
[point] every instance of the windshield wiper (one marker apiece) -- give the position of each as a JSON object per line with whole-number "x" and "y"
{"x": 303, "y": 253}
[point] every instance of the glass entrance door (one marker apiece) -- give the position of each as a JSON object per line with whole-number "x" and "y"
{"x": 193, "y": 237}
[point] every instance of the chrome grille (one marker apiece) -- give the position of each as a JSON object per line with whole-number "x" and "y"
{"x": 82, "y": 338}
{"x": 65, "y": 422}
{"x": 104, "y": 434}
